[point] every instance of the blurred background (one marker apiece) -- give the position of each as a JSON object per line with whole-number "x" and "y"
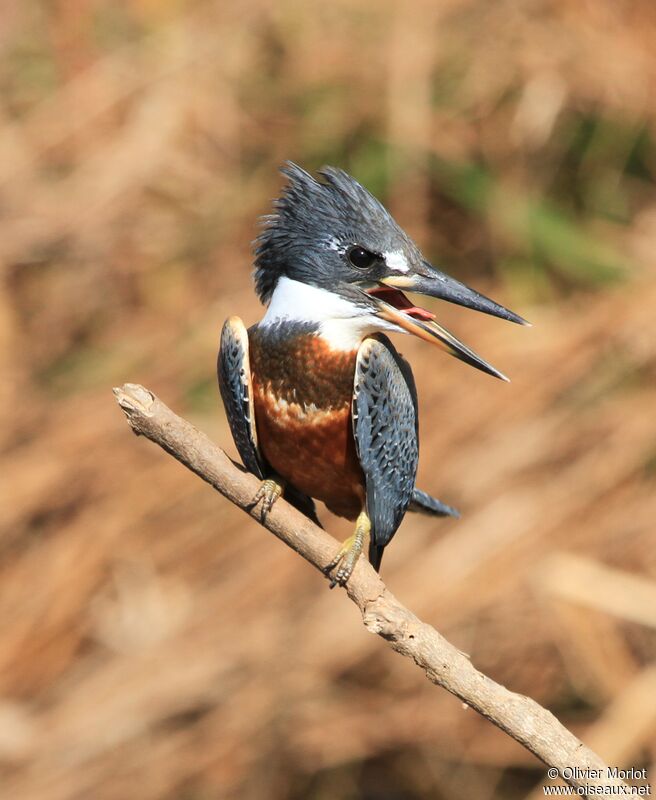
{"x": 154, "y": 641}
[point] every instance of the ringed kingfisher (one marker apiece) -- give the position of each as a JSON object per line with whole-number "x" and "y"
{"x": 320, "y": 404}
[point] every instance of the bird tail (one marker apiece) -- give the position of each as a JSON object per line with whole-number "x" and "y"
{"x": 423, "y": 503}
{"x": 375, "y": 555}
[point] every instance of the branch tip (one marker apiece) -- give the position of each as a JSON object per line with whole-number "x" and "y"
{"x": 132, "y": 397}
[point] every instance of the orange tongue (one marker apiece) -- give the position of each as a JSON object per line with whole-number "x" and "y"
{"x": 397, "y": 299}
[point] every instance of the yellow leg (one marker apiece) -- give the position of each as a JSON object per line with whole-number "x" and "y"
{"x": 350, "y": 551}
{"x": 269, "y": 491}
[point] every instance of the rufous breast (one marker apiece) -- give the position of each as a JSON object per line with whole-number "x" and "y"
{"x": 302, "y": 392}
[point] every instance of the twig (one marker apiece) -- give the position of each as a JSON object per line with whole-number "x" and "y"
{"x": 520, "y": 717}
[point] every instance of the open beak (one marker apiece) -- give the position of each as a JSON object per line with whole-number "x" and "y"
{"x": 395, "y": 307}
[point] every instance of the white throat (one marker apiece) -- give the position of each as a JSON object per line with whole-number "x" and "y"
{"x": 341, "y": 323}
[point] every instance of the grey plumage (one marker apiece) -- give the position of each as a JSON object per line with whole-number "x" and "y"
{"x": 385, "y": 428}
{"x": 233, "y": 369}
{"x": 424, "y": 503}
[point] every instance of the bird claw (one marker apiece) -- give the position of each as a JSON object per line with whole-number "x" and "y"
{"x": 269, "y": 491}
{"x": 345, "y": 565}
{"x": 349, "y": 552}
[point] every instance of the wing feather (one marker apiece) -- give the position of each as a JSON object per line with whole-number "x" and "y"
{"x": 385, "y": 428}
{"x": 234, "y": 372}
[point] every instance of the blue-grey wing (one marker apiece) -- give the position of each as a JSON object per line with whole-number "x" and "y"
{"x": 234, "y": 372}
{"x": 386, "y": 436}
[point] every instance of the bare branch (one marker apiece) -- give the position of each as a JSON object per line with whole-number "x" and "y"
{"x": 520, "y": 717}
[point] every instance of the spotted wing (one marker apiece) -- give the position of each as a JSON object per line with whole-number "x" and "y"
{"x": 234, "y": 373}
{"x": 386, "y": 436}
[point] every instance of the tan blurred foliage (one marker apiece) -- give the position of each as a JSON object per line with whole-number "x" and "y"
{"x": 154, "y": 642}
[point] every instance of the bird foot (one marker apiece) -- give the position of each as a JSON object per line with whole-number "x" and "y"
{"x": 269, "y": 491}
{"x": 349, "y": 552}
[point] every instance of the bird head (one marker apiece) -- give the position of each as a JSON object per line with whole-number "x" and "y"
{"x": 335, "y": 236}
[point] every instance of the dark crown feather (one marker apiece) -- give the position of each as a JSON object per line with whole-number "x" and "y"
{"x": 307, "y": 211}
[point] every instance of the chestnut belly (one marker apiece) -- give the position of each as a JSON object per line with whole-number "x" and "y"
{"x": 313, "y": 449}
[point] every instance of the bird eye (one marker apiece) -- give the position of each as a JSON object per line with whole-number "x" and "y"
{"x": 361, "y": 258}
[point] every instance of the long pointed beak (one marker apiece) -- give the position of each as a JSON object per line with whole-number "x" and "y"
{"x": 395, "y": 307}
{"x": 433, "y": 283}
{"x": 427, "y": 329}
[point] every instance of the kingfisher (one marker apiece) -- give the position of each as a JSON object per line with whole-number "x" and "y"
{"x": 320, "y": 404}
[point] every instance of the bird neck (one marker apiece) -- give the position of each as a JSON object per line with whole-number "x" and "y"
{"x": 342, "y": 324}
